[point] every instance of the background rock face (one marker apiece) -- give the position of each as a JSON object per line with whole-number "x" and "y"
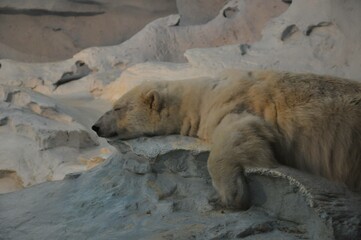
{"x": 155, "y": 188}
{"x": 55, "y": 30}
{"x": 198, "y": 12}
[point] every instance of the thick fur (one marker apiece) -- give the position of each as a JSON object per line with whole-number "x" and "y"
{"x": 306, "y": 121}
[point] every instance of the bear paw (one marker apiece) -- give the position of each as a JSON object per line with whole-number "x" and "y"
{"x": 234, "y": 194}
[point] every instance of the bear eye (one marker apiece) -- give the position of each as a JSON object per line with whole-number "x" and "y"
{"x": 123, "y": 108}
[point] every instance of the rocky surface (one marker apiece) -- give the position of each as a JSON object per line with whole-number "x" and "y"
{"x": 155, "y": 194}
{"x": 161, "y": 40}
{"x": 41, "y": 139}
{"x": 198, "y": 12}
{"x": 56, "y": 30}
{"x": 159, "y": 188}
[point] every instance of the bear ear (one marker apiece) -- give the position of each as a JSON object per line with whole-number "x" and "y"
{"x": 153, "y": 100}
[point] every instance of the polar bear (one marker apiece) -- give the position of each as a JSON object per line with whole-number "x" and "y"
{"x": 251, "y": 119}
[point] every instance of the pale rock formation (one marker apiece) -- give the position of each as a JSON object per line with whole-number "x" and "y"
{"x": 160, "y": 40}
{"x": 310, "y": 36}
{"x": 302, "y": 39}
{"x": 41, "y": 139}
{"x": 164, "y": 40}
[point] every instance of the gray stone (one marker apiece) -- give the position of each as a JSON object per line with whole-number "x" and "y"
{"x": 113, "y": 201}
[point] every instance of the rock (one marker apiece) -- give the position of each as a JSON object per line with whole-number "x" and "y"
{"x": 74, "y": 175}
{"x": 151, "y": 71}
{"x": 164, "y": 42}
{"x": 42, "y": 139}
{"x": 81, "y": 70}
{"x": 338, "y": 208}
{"x": 185, "y": 156}
{"x": 198, "y": 12}
{"x": 120, "y": 202}
{"x": 10, "y": 181}
{"x": 44, "y": 122}
{"x": 302, "y": 39}
{"x": 291, "y": 42}
{"x": 56, "y": 30}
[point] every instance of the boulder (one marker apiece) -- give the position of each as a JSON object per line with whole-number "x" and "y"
{"x": 159, "y": 188}
{"x": 42, "y": 139}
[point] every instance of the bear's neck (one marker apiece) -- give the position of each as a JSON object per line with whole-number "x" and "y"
{"x": 193, "y": 97}
{"x": 200, "y": 105}
{"x": 185, "y": 98}
{"x": 205, "y": 102}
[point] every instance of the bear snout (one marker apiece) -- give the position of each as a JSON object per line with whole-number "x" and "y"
{"x": 96, "y": 128}
{"x": 104, "y": 128}
{"x": 101, "y": 133}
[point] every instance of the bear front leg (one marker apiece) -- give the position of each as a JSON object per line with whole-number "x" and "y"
{"x": 229, "y": 182}
{"x": 240, "y": 140}
{"x": 190, "y": 126}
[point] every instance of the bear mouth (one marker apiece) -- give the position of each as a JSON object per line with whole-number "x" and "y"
{"x": 117, "y": 137}
{"x": 111, "y": 137}
{"x": 126, "y": 136}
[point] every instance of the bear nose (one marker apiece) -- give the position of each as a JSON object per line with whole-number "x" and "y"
{"x": 95, "y": 128}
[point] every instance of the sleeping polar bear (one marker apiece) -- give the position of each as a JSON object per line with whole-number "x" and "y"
{"x": 251, "y": 119}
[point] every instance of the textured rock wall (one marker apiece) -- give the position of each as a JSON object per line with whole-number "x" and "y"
{"x": 55, "y": 30}
{"x": 198, "y": 12}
